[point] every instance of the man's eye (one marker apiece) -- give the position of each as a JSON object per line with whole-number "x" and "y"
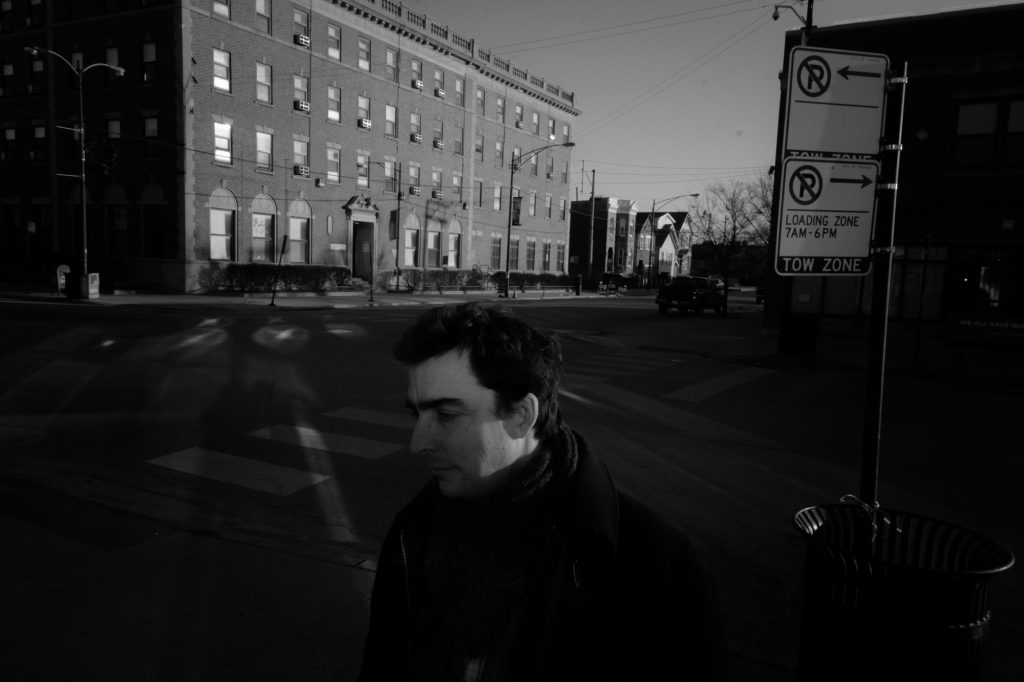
{"x": 446, "y": 416}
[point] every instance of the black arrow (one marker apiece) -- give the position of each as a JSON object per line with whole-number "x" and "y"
{"x": 845, "y": 72}
{"x": 863, "y": 180}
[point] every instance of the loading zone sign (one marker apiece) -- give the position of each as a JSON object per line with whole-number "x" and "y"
{"x": 826, "y": 217}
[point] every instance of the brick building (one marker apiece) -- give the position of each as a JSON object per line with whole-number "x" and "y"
{"x": 608, "y": 225}
{"x": 368, "y": 134}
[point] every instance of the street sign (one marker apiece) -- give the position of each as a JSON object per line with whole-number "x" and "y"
{"x": 835, "y": 102}
{"x": 826, "y": 215}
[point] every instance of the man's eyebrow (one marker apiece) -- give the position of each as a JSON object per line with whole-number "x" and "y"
{"x": 434, "y": 404}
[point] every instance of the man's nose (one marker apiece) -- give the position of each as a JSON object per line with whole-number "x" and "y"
{"x": 421, "y": 435}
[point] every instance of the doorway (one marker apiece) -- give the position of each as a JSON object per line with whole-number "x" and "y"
{"x": 362, "y": 261}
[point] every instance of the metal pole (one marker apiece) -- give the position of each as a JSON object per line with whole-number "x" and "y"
{"x": 875, "y": 390}
{"x": 508, "y": 239}
{"x": 84, "y": 282}
{"x": 590, "y": 240}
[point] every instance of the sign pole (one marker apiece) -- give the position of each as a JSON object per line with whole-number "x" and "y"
{"x": 875, "y": 390}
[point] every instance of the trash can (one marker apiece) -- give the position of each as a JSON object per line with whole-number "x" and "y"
{"x": 893, "y": 595}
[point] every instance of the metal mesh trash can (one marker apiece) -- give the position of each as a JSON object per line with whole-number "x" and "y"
{"x": 903, "y": 598}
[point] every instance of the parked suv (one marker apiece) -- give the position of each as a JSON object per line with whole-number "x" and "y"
{"x": 695, "y": 294}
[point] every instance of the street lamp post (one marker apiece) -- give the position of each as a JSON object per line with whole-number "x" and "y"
{"x": 653, "y": 224}
{"x": 513, "y": 167}
{"x": 79, "y": 71}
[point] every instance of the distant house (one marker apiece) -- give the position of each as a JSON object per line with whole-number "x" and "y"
{"x": 601, "y": 240}
{"x": 669, "y": 250}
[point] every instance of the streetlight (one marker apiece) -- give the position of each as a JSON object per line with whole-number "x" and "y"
{"x": 79, "y": 71}
{"x": 513, "y": 167}
{"x": 653, "y": 223}
{"x": 807, "y": 22}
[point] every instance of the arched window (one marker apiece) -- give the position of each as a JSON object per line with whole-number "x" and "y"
{"x": 300, "y": 217}
{"x": 264, "y": 236}
{"x": 223, "y": 209}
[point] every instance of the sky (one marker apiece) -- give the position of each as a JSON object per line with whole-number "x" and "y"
{"x": 673, "y": 94}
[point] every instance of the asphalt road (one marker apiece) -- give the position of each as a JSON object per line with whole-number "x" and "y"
{"x": 206, "y": 487}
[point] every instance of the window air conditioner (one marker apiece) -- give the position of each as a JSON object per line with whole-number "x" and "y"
{"x": 519, "y": 124}
{"x": 416, "y": 137}
{"x": 417, "y": 83}
{"x": 414, "y": 190}
{"x": 365, "y": 123}
{"x": 302, "y": 40}
{"x": 301, "y": 105}
{"x": 438, "y": 144}
{"x": 439, "y": 92}
{"x": 437, "y": 194}
{"x": 549, "y": 175}
{"x": 301, "y": 170}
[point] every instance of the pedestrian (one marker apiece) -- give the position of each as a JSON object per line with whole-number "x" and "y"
{"x": 521, "y": 559}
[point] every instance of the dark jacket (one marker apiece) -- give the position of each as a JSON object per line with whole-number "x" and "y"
{"x": 622, "y": 594}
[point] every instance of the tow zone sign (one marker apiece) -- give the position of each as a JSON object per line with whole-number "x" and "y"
{"x": 826, "y": 216}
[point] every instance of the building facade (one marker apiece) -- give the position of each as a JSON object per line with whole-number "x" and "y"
{"x": 959, "y": 217}
{"x": 608, "y": 226}
{"x": 368, "y": 135}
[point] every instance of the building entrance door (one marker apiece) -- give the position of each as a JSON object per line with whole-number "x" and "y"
{"x": 362, "y": 260}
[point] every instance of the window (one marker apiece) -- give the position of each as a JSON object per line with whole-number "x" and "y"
{"x": 513, "y": 253}
{"x": 500, "y": 106}
{"x": 565, "y": 172}
{"x": 436, "y": 180}
{"x": 438, "y": 80}
{"x": 222, "y": 70}
{"x": 417, "y": 71}
{"x": 533, "y": 203}
{"x": 547, "y": 206}
{"x": 300, "y": 152}
{"x": 976, "y": 133}
{"x": 264, "y": 151}
{"x": 517, "y": 152}
{"x": 300, "y": 86}
{"x": 551, "y": 128}
{"x": 150, "y": 132}
{"x": 411, "y": 249}
{"x": 497, "y": 196}
{"x": 561, "y": 209}
{"x": 263, "y": 237}
{"x": 114, "y": 129}
{"x": 390, "y": 120}
{"x": 222, "y": 8}
{"x": 535, "y": 119}
{"x": 111, "y": 58}
{"x": 334, "y": 41}
{"x": 481, "y": 105}
{"x": 391, "y": 64}
{"x": 560, "y": 256}
{"x": 363, "y": 107}
{"x": 460, "y": 91}
{"x": 457, "y": 186}
{"x": 546, "y": 257}
{"x": 565, "y": 132}
{"x": 452, "y": 260}
{"x": 222, "y": 232}
{"x": 460, "y": 134}
{"x": 478, "y": 146}
{"x": 39, "y": 143}
{"x": 333, "y": 103}
{"x": 499, "y": 153}
{"x": 439, "y": 131}
{"x": 479, "y": 192}
{"x": 414, "y": 124}
{"x": 222, "y": 142}
{"x": 333, "y": 164}
{"x": 264, "y": 83}
{"x": 301, "y": 21}
{"x": 298, "y": 240}
{"x": 263, "y": 16}
{"x": 433, "y": 249}
{"x": 519, "y": 115}
{"x": 1015, "y": 133}
{"x": 148, "y": 62}
{"x": 549, "y": 168}
{"x": 531, "y": 254}
{"x": 364, "y": 53}
{"x": 533, "y": 165}
{"x": 495, "y": 252}
{"x": 390, "y": 177}
{"x": 362, "y": 170}
{"x": 414, "y": 175}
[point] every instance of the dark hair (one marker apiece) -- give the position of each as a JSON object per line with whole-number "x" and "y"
{"x": 506, "y": 355}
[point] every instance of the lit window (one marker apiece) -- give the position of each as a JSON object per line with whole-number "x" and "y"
{"x": 222, "y": 70}
{"x": 264, "y": 151}
{"x": 222, "y": 142}
{"x": 298, "y": 240}
{"x": 333, "y": 103}
{"x": 222, "y": 8}
{"x": 364, "y": 53}
{"x": 222, "y": 232}
{"x": 334, "y": 41}
{"x": 148, "y": 62}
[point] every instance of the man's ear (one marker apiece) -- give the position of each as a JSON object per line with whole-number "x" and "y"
{"x": 523, "y": 417}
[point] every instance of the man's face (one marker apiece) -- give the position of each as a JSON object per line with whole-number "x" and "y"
{"x": 457, "y": 430}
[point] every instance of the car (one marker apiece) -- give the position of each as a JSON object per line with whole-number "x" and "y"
{"x": 687, "y": 293}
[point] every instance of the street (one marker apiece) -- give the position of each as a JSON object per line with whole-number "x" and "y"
{"x": 198, "y": 492}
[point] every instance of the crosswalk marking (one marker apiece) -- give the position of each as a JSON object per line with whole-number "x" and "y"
{"x": 247, "y": 473}
{"x": 359, "y": 414}
{"x": 705, "y": 389}
{"x": 325, "y": 440}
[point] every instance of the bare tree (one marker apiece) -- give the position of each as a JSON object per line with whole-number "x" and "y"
{"x": 721, "y": 222}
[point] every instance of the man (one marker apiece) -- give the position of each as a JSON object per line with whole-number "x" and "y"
{"x": 521, "y": 560}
